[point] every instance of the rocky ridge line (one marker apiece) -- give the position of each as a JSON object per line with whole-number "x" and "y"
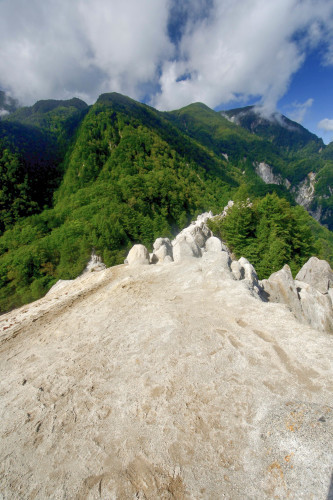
{"x": 309, "y": 296}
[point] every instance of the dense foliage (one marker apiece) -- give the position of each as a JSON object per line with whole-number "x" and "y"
{"x": 269, "y": 232}
{"x": 33, "y": 144}
{"x": 76, "y": 178}
{"x": 123, "y": 184}
{"x": 300, "y": 152}
{"x": 290, "y": 150}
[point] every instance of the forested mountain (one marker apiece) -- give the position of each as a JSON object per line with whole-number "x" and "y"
{"x": 278, "y": 129}
{"x": 77, "y": 177}
{"x": 7, "y": 104}
{"x": 307, "y": 164}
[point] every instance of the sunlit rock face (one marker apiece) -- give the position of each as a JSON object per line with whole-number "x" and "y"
{"x": 178, "y": 380}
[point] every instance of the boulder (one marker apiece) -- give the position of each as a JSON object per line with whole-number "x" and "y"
{"x": 237, "y": 270}
{"x": 213, "y": 244}
{"x": 317, "y": 273}
{"x": 199, "y": 236}
{"x": 316, "y": 307}
{"x": 138, "y": 255}
{"x": 248, "y": 271}
{"x": 280, "y": 287}
{"x": 185, "y": 248}
{"x": 162, "y": 249}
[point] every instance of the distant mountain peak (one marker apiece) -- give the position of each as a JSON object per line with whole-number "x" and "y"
{"x": 274, "y": 126}
{"x": 46, "y": 105}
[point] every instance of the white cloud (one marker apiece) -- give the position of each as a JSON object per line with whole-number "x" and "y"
{"x": 3, "y": 112}
{"x": 248, "y": 47}
{"x": 326, "y": 124}
{"x": 56, "y": 48}
{"x": 299, "y": 110}
{"x": 223, "y": 50}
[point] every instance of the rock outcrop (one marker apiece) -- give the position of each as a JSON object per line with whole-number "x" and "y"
{"x": 138, "y": 256}
{"x": 95, "y": 264}
{"x": 316, "y": 307}
{"x": 162, "y": 250}
{"x": 318, "y": 274}
{"x": 280, "y": 287}
{"x": 305, "y": 191}
{"x": 169, "y": 381}
{"x": 213, "y": 244}
{"x": 266, "y": 173}
{"x": 190, "y": 242}
{"x": 309, "y": 296}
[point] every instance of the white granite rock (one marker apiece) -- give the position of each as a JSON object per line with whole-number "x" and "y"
{"x": 162, "y": 249}
{"x": 317, "y": 273}
{"x": 280, "y": 287}
{"x": 213, "y": 244}
{"x": 316, "y": 307}
{"x": 138, "y": 255}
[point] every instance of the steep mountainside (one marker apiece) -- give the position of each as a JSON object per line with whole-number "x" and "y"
{"x": 278, "y": 129}
{"x": 307, "y": 165}
{"x": 33, "y": 144}
{"x": 119, "y": 172}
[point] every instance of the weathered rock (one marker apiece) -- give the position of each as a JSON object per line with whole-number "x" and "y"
{"x": 95, "y": 264}
{"x": 237, "y": 270}
{"x": 225, "y": 248}
{"x": 199, "y": 237}
{"x": 162, "y": 248}
{"x": 153, "y": 259}
{"x": 265, "y": 171}
{"x": 317, "y": 273}
{"x": 249, "y": 271}
{"x": 185, "y": 248}
{"x": 59, "y": 285}
{"x": 218, "y": 260}
{"x": 138, "y": 255}
{"x": 200, "y": 391}
{"x": 280, "y": 287}
{"x": 305, "y": 190}
{"x": 198, "y": 231}
{"x": 213, "y": 244}
{"x": 330, "y": 294}
{"x": 316, "y": 307}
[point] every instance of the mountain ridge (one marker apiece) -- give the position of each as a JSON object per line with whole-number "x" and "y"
{"x": 125, "y": 173}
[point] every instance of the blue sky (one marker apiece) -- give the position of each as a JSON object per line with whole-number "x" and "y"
{"x": 169, "y": 53}
{"x": 313, "y": 81}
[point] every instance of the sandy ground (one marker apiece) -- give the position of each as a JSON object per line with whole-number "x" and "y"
{"x": 163, "y": 382}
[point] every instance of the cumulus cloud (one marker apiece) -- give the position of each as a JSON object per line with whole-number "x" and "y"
{"x": 242, "y": 49}
{"x": 326, "y": 124}
{"x": 299, "y": 110}
{"x": 3, "y": 112}
{"x": 56, "y": 48}
{"x": 168, "y": 52}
